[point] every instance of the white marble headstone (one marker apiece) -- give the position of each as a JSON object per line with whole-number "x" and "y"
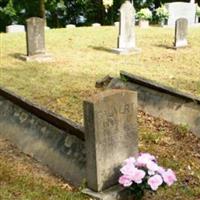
{"x": 15, "y": 28}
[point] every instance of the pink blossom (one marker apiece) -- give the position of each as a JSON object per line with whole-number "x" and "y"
{"x": 152, "y": 166}
{"x": 125, "y": 181}
{"x": 161, "y": 170}
{"x": 128, "y": 169}
{"x": 155, "y": 181}
{"x": 143, "y": 159}
{"x": 138, "y": 176}
{"x": 130, "y": 160}
{"x": 133, "y": 173}
{"x": 169, "y": 177}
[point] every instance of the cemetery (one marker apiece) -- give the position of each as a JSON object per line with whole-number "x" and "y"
{"x": 79, "y": 105}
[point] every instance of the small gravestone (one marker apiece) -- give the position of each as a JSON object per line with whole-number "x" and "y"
{"x": 111, "y": 135}
{"x": 181, "y": 30}
{"x": 126, "y": 38}
{"x": 96, "y": 25}
{"x": 70, "y": 26}
{"x": 15, "y": 28}
{"x": 35, "y": 40}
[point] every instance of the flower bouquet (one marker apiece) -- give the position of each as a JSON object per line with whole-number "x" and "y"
{"x": 143, "y": 173}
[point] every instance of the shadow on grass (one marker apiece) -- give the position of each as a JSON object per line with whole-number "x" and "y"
{"x": 102, "y": 49}
{"x": 18, "y": 56}
{"x": 165, "y": 46}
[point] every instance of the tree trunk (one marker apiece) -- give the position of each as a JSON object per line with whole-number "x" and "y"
{"x": 42, "y": 8}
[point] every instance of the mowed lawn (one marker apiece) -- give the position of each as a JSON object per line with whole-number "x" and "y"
{"x": 83, "y": 55}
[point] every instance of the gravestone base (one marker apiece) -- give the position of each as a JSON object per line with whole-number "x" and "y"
{"x": 181, "y": 44}
{"x": 122, "y": 51}
{"x": 113, "y": 193}
{"x": 39, "y": 58}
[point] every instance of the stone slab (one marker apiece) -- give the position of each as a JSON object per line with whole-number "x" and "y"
{"x": 113, "y": 193}
{"x": 181, "y": 30}
{"x": 126, "y": 51}
{"x": 161, "y": 101}
{"x": 181, "y": 9}
{"x": 55, "y": 147}
{"x": 39, "y": 58}
{"x": 35, "y": 36}
{"x": 15, "y": 28}
{"x": 110, "y": 120}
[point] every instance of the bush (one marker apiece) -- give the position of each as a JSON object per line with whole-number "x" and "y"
{"x": 162, "y": 13}
{"x": 144, "y": 14}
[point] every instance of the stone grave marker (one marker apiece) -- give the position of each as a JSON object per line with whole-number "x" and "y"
{"x": 181, "y": 10}
{"x": 181, "y": 29}
{"x": 111, "y": 135}
{"x": 96, "y": 25}
{"x": 70, "y": 26}
{"x": 126, "y": 38}
{"x": 15, "y": 28}
{"x": 35, "y": 40}
{"x": 35, "y": 36}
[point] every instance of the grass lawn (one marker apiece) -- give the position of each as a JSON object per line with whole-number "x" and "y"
{"x": 82, "y": 56}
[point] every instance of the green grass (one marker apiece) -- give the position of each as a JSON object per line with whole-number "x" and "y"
{"x": 22, "y": 178}
{"x": 82, "y": 56}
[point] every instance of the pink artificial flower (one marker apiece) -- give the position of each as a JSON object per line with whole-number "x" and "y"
{"x": 169, "y": 177}
{"x": 161, "y": 170}
{"x": 143, "y": 159}
{"x": 130, "y": 160}
{"x": 133, "y": 173}
{"x": 125, "y": 181}
{"x": 152, "y": 166}
{"x": 128, "y": 170}
{"x": 138, "y": 176}
{"x": 155, "y": 181}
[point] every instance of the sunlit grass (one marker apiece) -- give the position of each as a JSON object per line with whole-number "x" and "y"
{"x": 82, "y": 56}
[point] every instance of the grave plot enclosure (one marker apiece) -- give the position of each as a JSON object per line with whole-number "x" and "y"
{"x": 94, "y": 153}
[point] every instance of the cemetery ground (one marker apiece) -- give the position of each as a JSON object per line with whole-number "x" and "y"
{"x": 82, "y": 56}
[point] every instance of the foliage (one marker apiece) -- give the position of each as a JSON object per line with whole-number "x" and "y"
{"x": 198, "y": 11}
{"x": 162, "y": 13}
{"x": 144, "y": 14}
{"x": 143, "y": 173}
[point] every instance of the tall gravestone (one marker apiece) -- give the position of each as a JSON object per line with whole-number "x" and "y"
{"x": 126, "y": 38}
{"x": 35, "y": 36}
{"x": 111, "y": 135}
{"x": 181, "y": 30}
{"x": 35, "y": 40}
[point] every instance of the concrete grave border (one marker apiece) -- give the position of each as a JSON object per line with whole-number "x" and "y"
{"x": 161, "y": 101}
{"x": 49, "y": 138}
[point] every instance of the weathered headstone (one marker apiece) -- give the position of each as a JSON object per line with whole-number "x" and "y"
{"x": 181, "y": 30}
{"x": 35, "y": 40}
{"x": 181, "y": 10}
{"x": 111, "y": 135}
{"x": 15, "y": 28}
{"x": 70, "y": 26}
{"x": 96, "y": 25}
{"x": 35, "y": 36}
{"x": 126, "y": 38}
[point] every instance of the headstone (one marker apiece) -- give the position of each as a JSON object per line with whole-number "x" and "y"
{"x": 181, "y": 29}
{"x": 126, "y": 38}
{"x": 35, "y": 36}
{"x": 116, "y": 24}
{"x": 111, "y": 135}
{"x": 96, "y": 25}
{"x": 70, "y": 26}
{"x": 15, "y": 28}
{"x": 35, "y": 40}
{"x": 181, "y": 10}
